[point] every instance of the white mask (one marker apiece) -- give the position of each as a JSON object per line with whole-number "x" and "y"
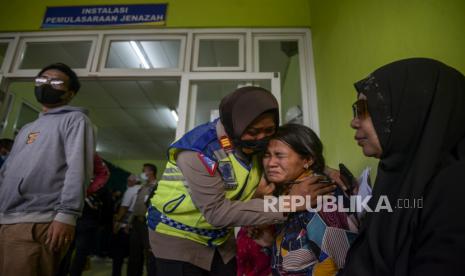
{"x": 143, "y": 176}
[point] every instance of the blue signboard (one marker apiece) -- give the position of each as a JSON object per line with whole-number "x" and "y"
{"x": 79, "y": 16}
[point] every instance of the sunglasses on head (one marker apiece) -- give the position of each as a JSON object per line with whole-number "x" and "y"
{"x": 360, "y": 109}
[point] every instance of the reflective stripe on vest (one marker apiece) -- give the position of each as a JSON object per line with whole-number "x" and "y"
{"x": 154, "y": 215}
{"x": 181, "y": 218}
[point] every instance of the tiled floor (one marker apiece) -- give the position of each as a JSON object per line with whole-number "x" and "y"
{"x": 102, "y": 267}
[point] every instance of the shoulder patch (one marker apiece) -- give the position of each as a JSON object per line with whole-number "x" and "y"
{"x": 31, "y": 137}
{"x": 209, "y": 164}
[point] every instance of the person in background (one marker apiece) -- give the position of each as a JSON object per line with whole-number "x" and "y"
{"x": 139, "y": 246}
{"x": 42, "y": 183}
{"x": 87, "y": 224}
{"x": 116, "y": 198}
{"x": 92, "y": 216}
{"x": 5, "y": 148}
{"x": 410, "y": 114}
{"x": 120, "y": 244}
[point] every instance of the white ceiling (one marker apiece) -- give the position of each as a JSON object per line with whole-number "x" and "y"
{"x": 133, "y": 117}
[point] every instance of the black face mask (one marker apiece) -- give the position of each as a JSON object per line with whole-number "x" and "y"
{"x": 255, "y": 145}
{"x": 46, "y": 94}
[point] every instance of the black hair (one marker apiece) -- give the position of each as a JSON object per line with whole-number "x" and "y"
{"x": 6, "y": 143}
{"x": 303, "y": 141}
{"x": 152, "y": 167}
{"x": 74, "y": 83}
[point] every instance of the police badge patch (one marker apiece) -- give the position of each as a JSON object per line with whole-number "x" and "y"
{"x": 209, "y": 164}
{"x": 227, "y": 173}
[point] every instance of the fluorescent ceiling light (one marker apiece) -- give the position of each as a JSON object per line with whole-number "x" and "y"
{"x": 139, "y": 54}
{"x": 175, "y": 114}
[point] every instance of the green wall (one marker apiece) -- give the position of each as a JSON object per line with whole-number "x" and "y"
{"x": 28, "y": 14}
{"x": 353, "y": 38}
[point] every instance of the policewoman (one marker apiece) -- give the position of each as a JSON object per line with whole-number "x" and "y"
{"x": 207, "y": 187}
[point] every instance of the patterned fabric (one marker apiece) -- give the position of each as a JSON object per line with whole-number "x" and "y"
{"x": 312, "y": 244}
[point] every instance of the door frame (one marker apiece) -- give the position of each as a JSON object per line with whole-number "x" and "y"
{"x": 187, "y": 97}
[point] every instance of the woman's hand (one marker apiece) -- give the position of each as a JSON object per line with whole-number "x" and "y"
{"x": 310, "y": 186}
{"x": 264, "y": 188}
{"x": 335, "y": 176}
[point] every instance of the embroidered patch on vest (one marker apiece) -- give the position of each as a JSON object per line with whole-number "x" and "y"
{"x": 32, "y": 137}
{"x": 209, "y": 164}
{"x": 225, "y": 143}
{"x": 227, "y": 173}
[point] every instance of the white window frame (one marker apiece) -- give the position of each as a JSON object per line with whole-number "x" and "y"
{"x": 28, "y": 104}
{"x": 239, "y": 37}
{"x": 187, "y": 98}
{"x": 22, "y": 48}
{"x": 136, "y": 71}
{"x": 306, "y": 68}
{"x": 250, "y": 35}
{"x": 8, "y": 54}
{"x": 5, "y": 110}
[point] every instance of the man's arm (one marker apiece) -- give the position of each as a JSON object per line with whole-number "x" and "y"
{"x": 79, "y": 150}
{"x": 124, "y": 212}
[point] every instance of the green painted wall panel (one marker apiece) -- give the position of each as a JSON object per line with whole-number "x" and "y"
{"x": 27, "y": 15}
{"x": 353, "y": 38}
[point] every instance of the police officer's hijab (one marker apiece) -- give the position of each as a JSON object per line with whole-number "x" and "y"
{"x": 240, "y": 108}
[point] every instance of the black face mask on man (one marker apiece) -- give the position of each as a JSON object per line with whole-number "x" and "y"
{"x": 46, "y": 94}
{"x": 255, "y": 145}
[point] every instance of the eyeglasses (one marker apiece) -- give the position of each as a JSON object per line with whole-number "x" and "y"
{"x": 360, "y": 109}
{"x": 55, "y": 83}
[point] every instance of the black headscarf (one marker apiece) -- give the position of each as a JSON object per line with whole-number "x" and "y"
{"x": 240, "y": 108}
{"x": 418, "y": 111}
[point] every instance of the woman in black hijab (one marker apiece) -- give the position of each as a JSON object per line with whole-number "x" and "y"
{"x": 411, "y": 115}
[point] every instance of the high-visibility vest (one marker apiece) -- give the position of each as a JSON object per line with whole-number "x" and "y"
{"x": 172, "y": 211}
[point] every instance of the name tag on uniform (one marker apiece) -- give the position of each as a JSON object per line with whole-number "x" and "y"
{"x": 227, "y": 173}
